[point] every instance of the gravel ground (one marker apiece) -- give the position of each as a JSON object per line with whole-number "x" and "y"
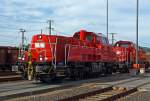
{"x": 138, "y": 96}
{"x": 29, "y": 87}
{"x": 85, "y": 86}
{"x": 60, "y": 94}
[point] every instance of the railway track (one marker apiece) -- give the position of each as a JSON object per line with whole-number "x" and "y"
{"x": 110, "y": 95}
{"x": 115, "y": 92}
{"x": 106, "y": 94}
{"x": 86, "y": 91}
{"x": 7, "y": 73}
{"x": 9, "y": 76}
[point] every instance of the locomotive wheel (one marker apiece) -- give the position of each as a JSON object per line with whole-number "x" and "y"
{"x": 78, "y": 74}
{"x": 104, "y": 72}
{"x": 109, "y": 70}
{"x": 24, "y": 75}
{"x": 3, "y": 69}
{"x": 125, "y": 69}
{"x": 81, "y": 75}
{"x": 47, "y": 78}
{"x": 86, "y": 75}
{"x": 114, "y": 70}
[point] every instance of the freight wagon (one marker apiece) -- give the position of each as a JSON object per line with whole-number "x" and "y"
{"x": 8, "y": 57}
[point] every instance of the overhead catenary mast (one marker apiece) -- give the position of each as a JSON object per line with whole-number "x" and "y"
{"x": 50, "y": 26}
{"x": 21, "y": 48}
{"x": 23, "y": 38}
{"x": 41, "y": 31}
{"x": 107, "y": 20}
{"x": 113, "y": 39}
{"x": 137, "y": 30}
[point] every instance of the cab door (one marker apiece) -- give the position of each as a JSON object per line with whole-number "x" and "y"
{"x": 105, "y": 48}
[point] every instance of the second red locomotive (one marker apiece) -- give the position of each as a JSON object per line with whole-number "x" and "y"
{"x": 126, "y": 53}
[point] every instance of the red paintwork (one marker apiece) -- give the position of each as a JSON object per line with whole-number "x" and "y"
{"x": 128, "y": 53}
{"x": 83, "y": 46}
{"x": 47, "y": 51}
{"x": 124, "y": 52}
{"x": 78, "y": 48}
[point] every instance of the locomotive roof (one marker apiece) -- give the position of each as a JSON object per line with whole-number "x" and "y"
{"x": 97, "y": 34}
{"x": 48, "y": 35}
{"x": 125, "y": 42}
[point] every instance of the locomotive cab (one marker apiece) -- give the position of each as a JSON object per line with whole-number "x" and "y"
{"x": 91, "y": 37}
{"x": 85, "y": 36}
{"x": 123, "y": 50}
{"x": 126, "y": 52}
{"x": 124, "y": 44}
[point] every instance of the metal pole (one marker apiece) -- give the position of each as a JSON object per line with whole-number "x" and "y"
{"x": 41, "y": 31}
{"x": 22, "y": 31}
{"x": 137, "y": 31}
{"x": 21, "y": 49}
{"x": 50, "y": 26}
{"x": 113, "y": 39}
{"x": 107, "y": 14}
{"x": 65, "y": 55}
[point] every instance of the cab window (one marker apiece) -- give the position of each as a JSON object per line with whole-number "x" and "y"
{"x": 98, "y": 39}
{"x": 89, "y": 38}
{"x": 124, "y": 45}
{"x": 104, "y": 40}
{"x": 77, "y": 36}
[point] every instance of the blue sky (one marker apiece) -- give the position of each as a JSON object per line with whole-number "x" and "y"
{"x": 72, "y": 15}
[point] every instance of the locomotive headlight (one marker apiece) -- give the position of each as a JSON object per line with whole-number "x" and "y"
{"x": 118, "y": 52}
{"x": 41, "y": 59}
{"x": 40, "y": 37}
{"x": 23, "y": 59}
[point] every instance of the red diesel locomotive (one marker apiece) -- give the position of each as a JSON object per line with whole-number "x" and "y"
{"x": 81, "y": 56}
{"x": 126, "y": 53}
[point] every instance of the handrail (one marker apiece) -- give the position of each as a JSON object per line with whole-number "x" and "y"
{"x": 56, "y": 54}
{"x": 51, "y": 49}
